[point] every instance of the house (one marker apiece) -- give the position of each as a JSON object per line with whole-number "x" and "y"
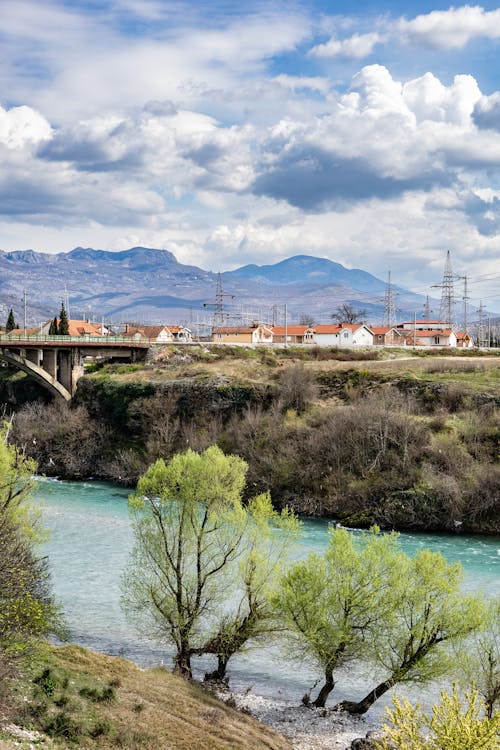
{"x": 386, "y": 336}
{"x": 77, "y": 328}
{"x": 343, "y": 334}
{"x": 432, "y": 337}
{"x": 332, "y": 335}
{"x": 256, "y": 333}
{"x": 159, "y": 334}
{"x": 464, "y": 341}
{"x": 295, "y": 334}
{"x": 424, "y": 325}
{"x": 181, "y": 334}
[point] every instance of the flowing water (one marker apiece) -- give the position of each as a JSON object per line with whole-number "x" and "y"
{"x": 90, "y": 540}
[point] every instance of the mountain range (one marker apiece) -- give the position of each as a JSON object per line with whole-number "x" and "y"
{"x": 147, "y": 285}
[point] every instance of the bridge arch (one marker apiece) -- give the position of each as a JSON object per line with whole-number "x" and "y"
{"x": 37, "y": 373}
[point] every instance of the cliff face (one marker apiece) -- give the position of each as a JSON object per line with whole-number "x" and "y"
{"x": 363, "y": 445}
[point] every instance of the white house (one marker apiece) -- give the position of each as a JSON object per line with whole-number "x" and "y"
{"x": 332, "y": 335}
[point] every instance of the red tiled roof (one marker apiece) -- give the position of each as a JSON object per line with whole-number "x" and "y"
{"x": 428, "y": 334}
{"x": 328, "y": 328}
{"x": 234, "y": 329}
{"x": 292, "y": 330}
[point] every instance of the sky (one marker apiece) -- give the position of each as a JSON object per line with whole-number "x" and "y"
{"x": 247, "y": 132}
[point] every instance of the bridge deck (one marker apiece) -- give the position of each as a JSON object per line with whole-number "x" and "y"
{"x": 101, "y": 342}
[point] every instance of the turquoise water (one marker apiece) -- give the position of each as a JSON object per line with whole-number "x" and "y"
{"x": 90, "y": 540}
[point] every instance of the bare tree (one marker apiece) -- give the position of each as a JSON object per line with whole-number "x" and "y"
{"x": 346, "y": 313}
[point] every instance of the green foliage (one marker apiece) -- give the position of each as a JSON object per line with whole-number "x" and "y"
{"x": 478, "y": 658}
{"x": 26, "y": 606}
{"x": 63, "y": 328}
{"x": 54, "y": 327}
{"x": 334, "y": 605}
{"x": 11, "y": 322}
{"x": 455, "y": 724}
{"x": 196, "y": 545}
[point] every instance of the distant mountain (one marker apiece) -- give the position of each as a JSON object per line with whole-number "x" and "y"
{"x": 148, "y": 285}
{"x": 306, "y": 269}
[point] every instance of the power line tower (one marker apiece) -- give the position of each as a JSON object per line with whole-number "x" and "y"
{"x": 220, "y": 313}
{"x": 466, "y": 299}
{"x": 390, "y": 303}
{"x": 427, "y": 308}
{"x": 480, "y": 327}
{"x": 447, "y": 308}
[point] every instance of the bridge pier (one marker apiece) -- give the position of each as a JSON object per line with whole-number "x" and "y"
{"x": 33, "y": 355}
{"x": 49, "y": 362}
{"x": 64, "y": 368}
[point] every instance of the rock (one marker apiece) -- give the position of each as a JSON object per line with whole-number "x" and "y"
{"x": 368, "y": 742}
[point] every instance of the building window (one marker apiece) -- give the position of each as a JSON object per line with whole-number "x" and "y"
{"x": 219, "y": 335}
{"x": 436, "y": 339}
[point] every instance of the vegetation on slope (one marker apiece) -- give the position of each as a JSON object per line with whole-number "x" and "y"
{"x": 77, "y": 698}
{"x": 405, "y": 442}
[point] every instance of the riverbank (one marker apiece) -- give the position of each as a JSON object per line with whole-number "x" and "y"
{"x": 66, "y": 697}
{"x": 306, "y": 728}
{"x": 404, "y": 444}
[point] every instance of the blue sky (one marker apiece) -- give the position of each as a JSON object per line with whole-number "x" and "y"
{"x": 229, "y": 133}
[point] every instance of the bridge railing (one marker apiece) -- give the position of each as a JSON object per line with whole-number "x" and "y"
{"x": 42, "y": 338}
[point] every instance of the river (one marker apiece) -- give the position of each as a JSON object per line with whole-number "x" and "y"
{"x": 90, "y": 540}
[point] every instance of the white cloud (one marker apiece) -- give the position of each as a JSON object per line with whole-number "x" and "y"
{"x": 354, "y": 47}
{"x": 21, "y": 126}
{"x": 450, "y": 29}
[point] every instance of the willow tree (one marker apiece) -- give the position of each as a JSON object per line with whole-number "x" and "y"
{"x": 478, "y": 658}
{"x": 196, "y": 578}
{"x": 334, "y": 605}
{"x": 431, "y": 613}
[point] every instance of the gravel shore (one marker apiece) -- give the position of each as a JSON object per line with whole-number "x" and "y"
{"x": 305, "y": 728}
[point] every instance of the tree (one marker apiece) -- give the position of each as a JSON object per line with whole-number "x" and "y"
{"x": 11, "y": 322}
{"x": 267, "y": 539}
{"x": 346, "y": 313}
{"x": 335, "y": 605}
{"x": 306, "y": 319}
{"x": 63, "y": 328}
{"x": 430, "y": 613}
{"x": 196, "y": 578}
{"x": 455, "y": 724}
{"x": 478, "y": 658}
{"x": 54, "y": 328}
{"x": 27, "y": 609}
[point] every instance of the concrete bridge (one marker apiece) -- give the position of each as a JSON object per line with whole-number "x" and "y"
{"x": 56, "y": 362}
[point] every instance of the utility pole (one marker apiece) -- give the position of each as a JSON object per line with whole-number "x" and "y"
{"x": 415, "y": 328}
{"x": 66, "y": 302}
{"x": 220, "y": 314}
{"x": 389, "y": 303}
{"x": 25, "y": 308}
{"x": 286, "y": 325}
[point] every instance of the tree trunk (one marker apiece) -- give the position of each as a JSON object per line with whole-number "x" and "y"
{"x": 182, "y": 664}
{"x": 362, "y": 706}
{"x": 219, "y": 674}
{"x": 325, "y": 690}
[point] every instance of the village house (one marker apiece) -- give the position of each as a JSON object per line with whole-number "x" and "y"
{"x": 159, "y": 334}
{"x": 432, "y": 337}
{"x": 78, "y": 328}
{"x": 295, "y": 334}
{"x": 386, "y": 336}
{"x": 256, "y": 333}
{"x": 343, "y": 334}
{"x": 464, "y": 341}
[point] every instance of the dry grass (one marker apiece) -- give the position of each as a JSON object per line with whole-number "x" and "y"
{"x": 147, "y": 709}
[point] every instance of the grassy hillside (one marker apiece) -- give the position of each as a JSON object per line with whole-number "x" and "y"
{"x": 77, "y": 698}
